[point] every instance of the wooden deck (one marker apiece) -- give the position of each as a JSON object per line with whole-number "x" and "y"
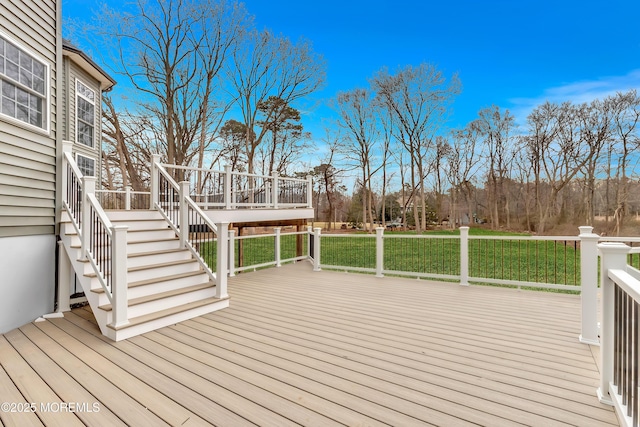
{"x": 324, "y": 348}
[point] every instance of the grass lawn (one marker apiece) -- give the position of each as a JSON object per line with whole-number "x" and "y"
{"x": 492, "y": 255}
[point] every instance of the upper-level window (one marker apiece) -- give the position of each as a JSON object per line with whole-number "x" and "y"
{"x": 85, "y": 109}
{"x": 23, "y": 85}
{"x": 86, "y": 165}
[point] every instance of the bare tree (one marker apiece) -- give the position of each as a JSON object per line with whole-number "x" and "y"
{"x": 267, "y": 66}
{"x": 496, "y": 128}
{"x": 417, "y": 98}
{"x": 463, "y": 163}
{"x": 594, "y": 120}
{"x": 358, "y": 116}
{"x": 126, "y": 148}
{"x": 173, "y": 51}
{"x": 626, "y": 117}
{"x": 556, "y": 153}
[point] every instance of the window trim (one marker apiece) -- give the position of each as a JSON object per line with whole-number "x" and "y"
{"x": 78, "y": 94}
{"x": 46, "y": 99}
{"x": 78, "y": 155}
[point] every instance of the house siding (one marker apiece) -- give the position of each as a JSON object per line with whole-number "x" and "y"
{"x": 28, "y": 159}
{"x": 28, "y": 155}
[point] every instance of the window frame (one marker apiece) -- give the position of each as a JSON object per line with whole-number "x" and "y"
{"x": 78, "y": 155}
{"x": 46, "y": 97}
{"x": 77, "y": 116}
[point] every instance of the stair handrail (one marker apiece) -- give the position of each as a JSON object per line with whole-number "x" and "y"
{"x": 175, "y": 204}
{"x": 101, "y": 243}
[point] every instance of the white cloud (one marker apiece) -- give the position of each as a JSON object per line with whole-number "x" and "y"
{"x": 576, "y": 92}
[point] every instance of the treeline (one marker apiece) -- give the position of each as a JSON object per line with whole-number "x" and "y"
{"x": 569, "y": 164}
{"x": 210, "y": 89}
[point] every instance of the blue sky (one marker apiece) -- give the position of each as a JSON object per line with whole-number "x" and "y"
{"x": 515, "y": 54}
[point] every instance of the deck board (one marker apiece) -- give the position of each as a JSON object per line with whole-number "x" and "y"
{"x": 298, "y": 347}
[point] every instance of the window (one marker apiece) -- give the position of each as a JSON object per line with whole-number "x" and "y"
{"x": 85, "y": 114}
{"x": 86, "y": 165}
{"x": 23, "y": 85}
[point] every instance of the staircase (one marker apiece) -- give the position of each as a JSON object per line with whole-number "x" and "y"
{"x": 166, "y": 284}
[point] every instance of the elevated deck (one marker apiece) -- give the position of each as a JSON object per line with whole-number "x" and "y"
{"x": 323, "y": 348}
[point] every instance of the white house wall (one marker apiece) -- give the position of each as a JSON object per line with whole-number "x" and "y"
{"x": 27, "y": 269}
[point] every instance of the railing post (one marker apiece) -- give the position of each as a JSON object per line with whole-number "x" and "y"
{"x": 227, "y": 187}
{"x": 379, "y": 251}
{"x": 232, "y": 253}
{"x": 275, "y": 188}
{"x": 277, "y": 247}
{"x": 222, "y": 260}
{"x": 316, "y": 248}
{"x": 155, "y": 184}
{"x": 309, "y": 191}
{"x": 88, "y": 187}
{"x": 119, "y": 275}
{"x": 464, "y": 256}
{"x": 589, "y": 285}
{"x": 309, "y": 244}
{"x": 183, "y": 222}
{"x": 127, "y": 200}
{"x": 614, "y": 256}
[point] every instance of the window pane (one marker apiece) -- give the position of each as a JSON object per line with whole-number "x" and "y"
{"x": 85, "y": 134}
{"x": 23, "y": 97}
{"x": 25, "y": 62}
{"x": 85, "y": 110}
{"x": 38, "y": 85}
{"x": 8, "y": 107}
{"x": 38, "y": 70}
{"x": 8, "y": 90}
{"x": 12, "y": 70}
{"x": 26, "y": 78}
{"x": 22, "y": 112}
{"x": 13, "y": 54}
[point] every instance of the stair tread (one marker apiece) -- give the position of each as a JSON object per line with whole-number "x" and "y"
{"x": 161, "y": 295}
{"x": 153, "y": 266}
{"x": 156, "y": 280}
{"x": 166, "y": 312}
{"x": 158, "y": 252}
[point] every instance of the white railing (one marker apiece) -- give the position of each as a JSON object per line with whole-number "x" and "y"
{"x": 101, "y": 243}
{"x": 265, "y": 250}
{"x": 126, "y": 199}
{"x": 463, "y": 258}
{"x": 619, "y": 350}
{"x": 195, "y": 229}
{"x": 213, "y": 189}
